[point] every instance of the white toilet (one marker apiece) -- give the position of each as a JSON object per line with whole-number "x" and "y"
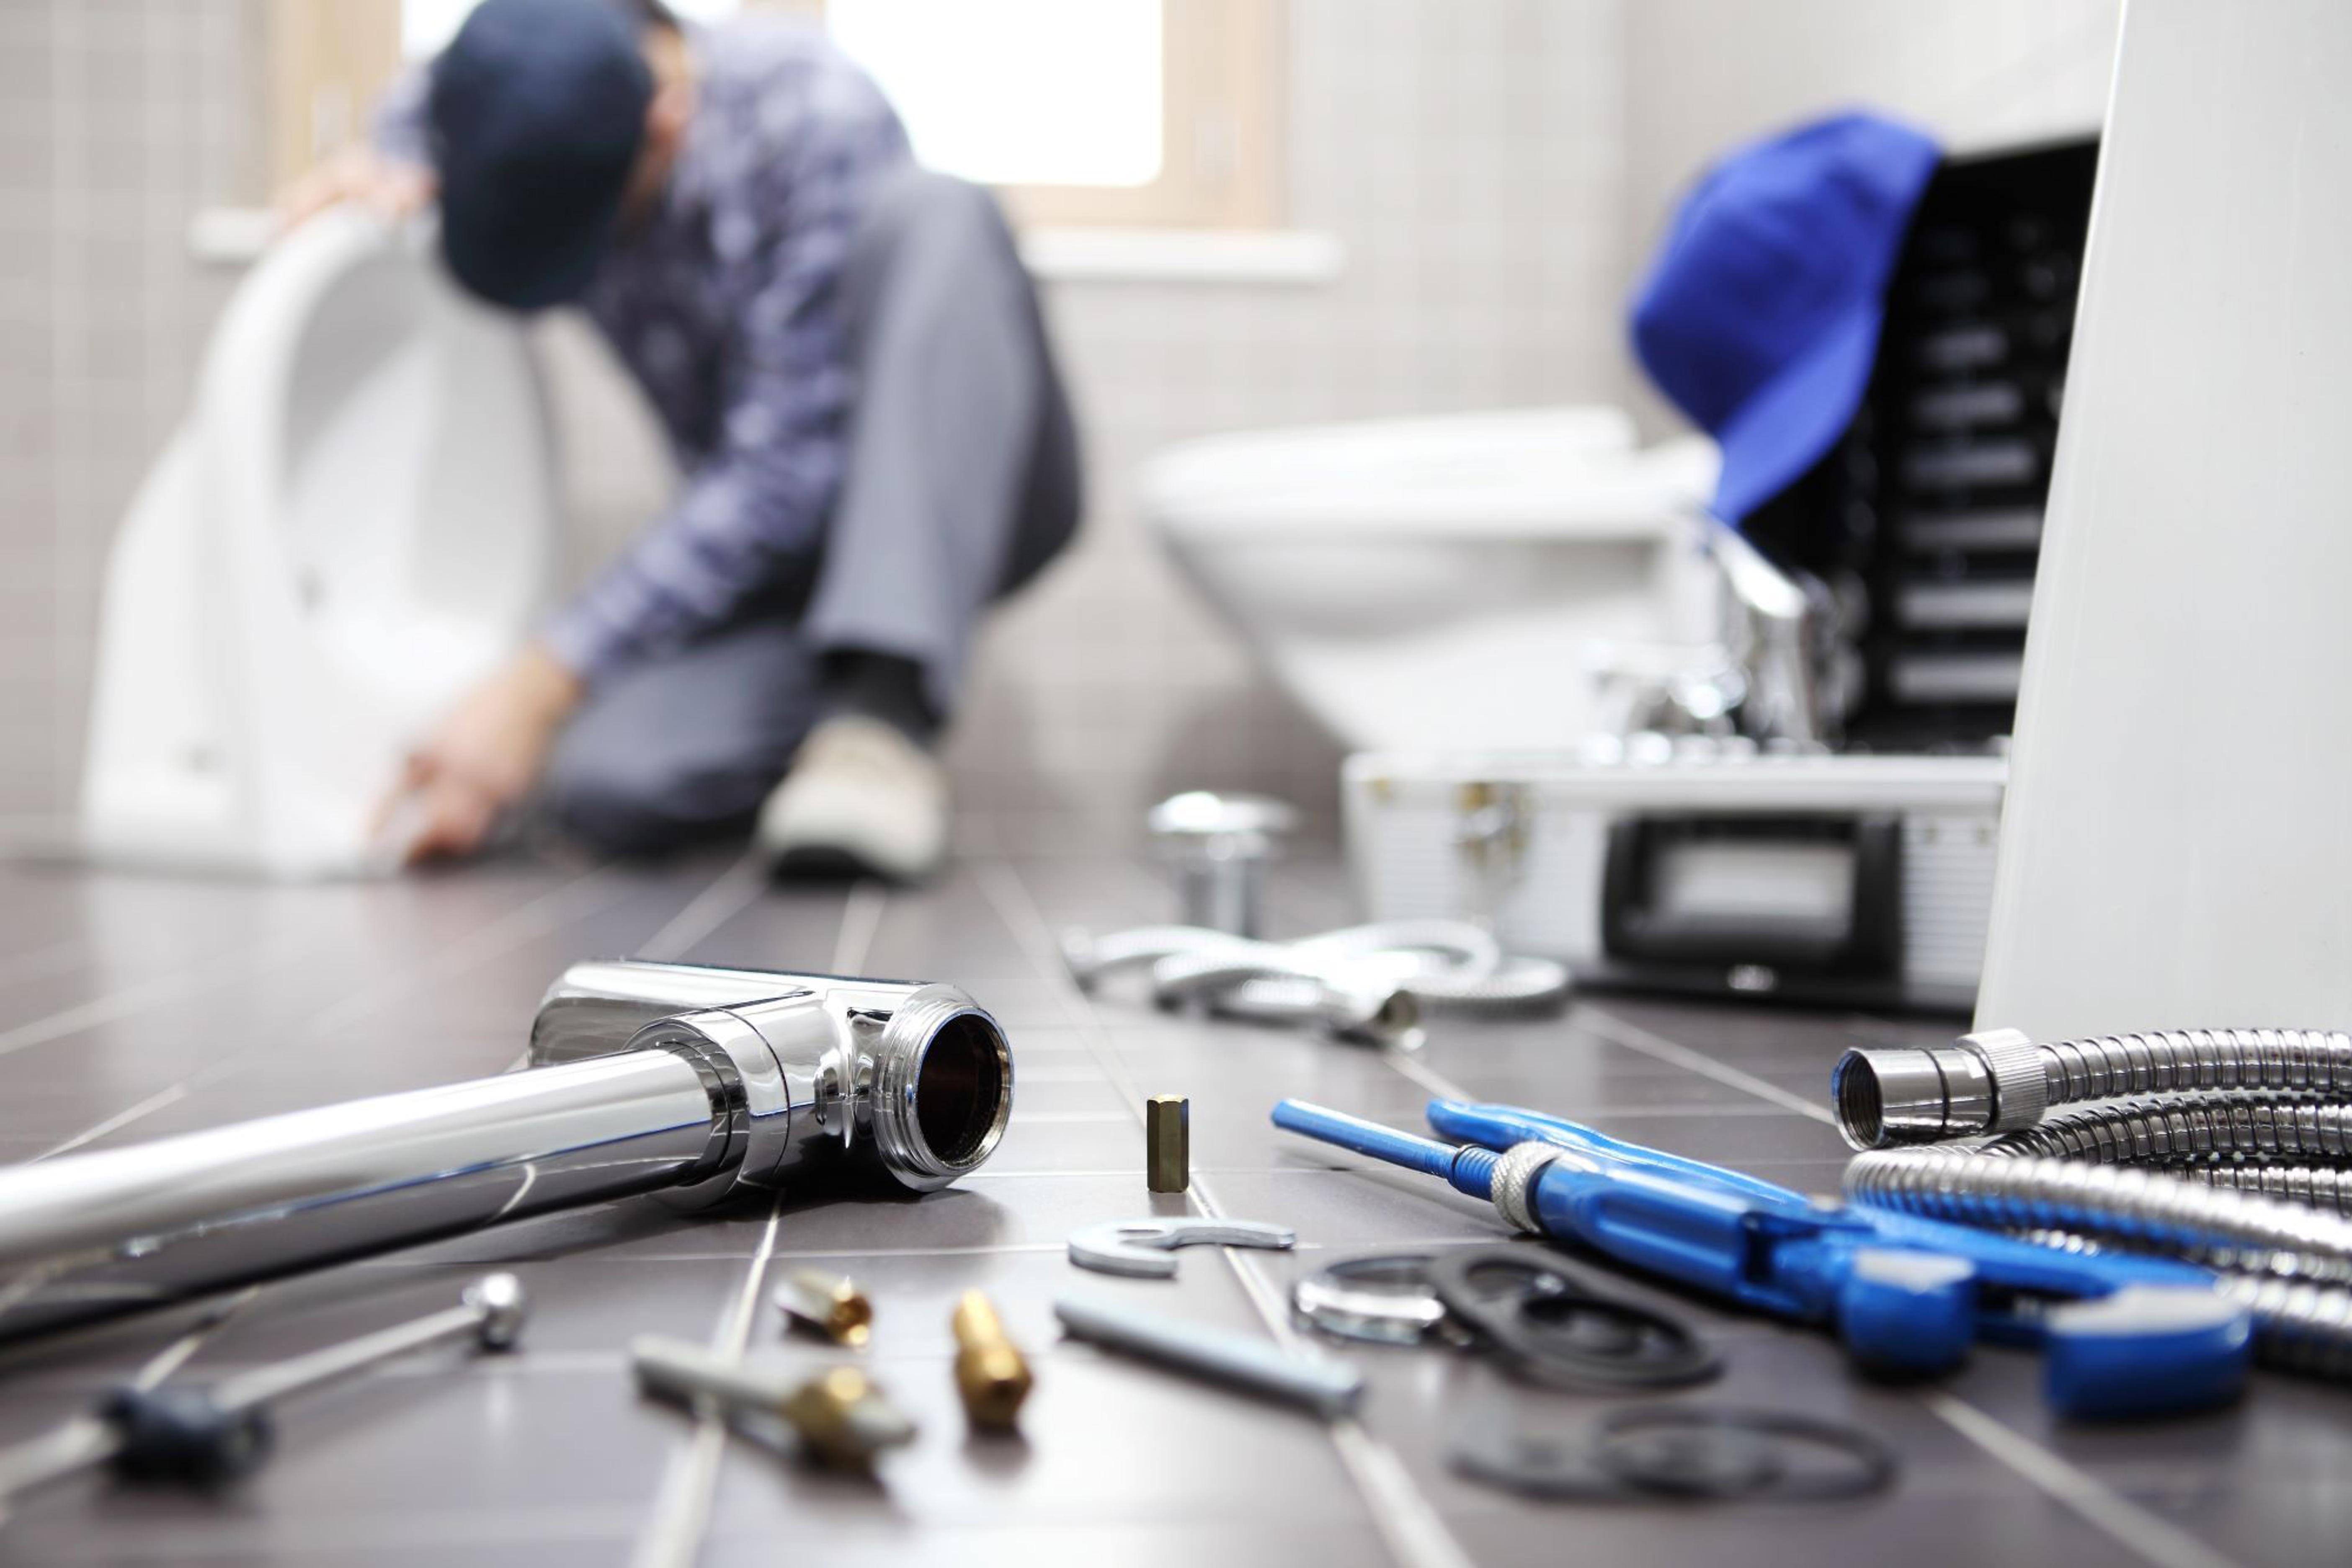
{"x": 358, "y": 518}
{"x": 1447, "y": 582}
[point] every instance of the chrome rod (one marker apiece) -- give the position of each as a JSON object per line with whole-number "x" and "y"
{"x": 793, "y": 1078}
{"x": 92, "y": 1235}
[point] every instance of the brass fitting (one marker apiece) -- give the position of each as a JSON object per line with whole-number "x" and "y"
{"x": 992, "y": 1375}
{"x": 826, "y": 1304}
{"x": 840, "y": 1417}
{"x": 844, "y": 1420}
{"x": 1167, "y": 1144}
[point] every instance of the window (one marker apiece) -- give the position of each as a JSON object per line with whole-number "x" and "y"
{"x": 1157, "y": 113}
{"x": 1149, "y": 113}
{"x": 1021, "y": 92}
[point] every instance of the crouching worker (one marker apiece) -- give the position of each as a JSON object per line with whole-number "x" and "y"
{"x": 851, "y": 365}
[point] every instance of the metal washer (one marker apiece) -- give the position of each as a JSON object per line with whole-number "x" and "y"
{"x": 1385, "y": 1300}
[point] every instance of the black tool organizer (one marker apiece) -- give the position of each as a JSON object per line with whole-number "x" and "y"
{"x": 1925, "y": 520}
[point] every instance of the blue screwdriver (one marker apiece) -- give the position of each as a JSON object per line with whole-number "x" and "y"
{"x": 2121, "y": 1335}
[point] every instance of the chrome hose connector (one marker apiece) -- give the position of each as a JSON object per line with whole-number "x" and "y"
{"x": 1998, "y": 1081}
{"x": 1911, "y": 1095}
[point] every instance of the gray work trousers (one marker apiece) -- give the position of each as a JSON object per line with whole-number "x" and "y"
{"x": 961, "y": 482}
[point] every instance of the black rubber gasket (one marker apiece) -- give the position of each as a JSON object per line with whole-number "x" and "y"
{"x": 1549, "y": 1327}
{"x": 1686, "y": 1452}
{"x": 1624, "y": 1445}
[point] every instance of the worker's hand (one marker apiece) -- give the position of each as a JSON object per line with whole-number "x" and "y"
{"x": 482, "y": 757}
{"x": 385, "y": 186}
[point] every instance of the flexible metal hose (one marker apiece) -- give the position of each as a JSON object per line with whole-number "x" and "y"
{"x": 2191, "y": 1059}
{"x": 2299, "y": 1326}
{"x": 2248, "y": 1142}
{"x": 2287, "y": 1262}
{"x": 2145, "y": 1210}
{"x": 2246, "y": 1133}
{"x": 2196, "y": 1127}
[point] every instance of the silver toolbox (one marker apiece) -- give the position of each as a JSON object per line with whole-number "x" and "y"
{"x": 1859, "y": 880}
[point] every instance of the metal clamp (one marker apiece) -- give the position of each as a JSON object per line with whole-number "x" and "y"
{"x": 1144, "y": 1248}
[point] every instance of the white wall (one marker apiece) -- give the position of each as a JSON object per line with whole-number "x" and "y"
{"x": 1704, "y": 74}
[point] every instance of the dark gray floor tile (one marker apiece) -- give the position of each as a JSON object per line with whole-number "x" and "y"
{"x": 1103, "y": 1439}
{"x": 1924, "y": 1532}
{"x": 1340, "y": 1208}
{"x": 395, "y": 1443}
{"x": 851, "y": 1541}
{"x": 190, "y": 1003}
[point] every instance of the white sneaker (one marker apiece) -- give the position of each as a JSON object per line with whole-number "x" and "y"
{"x": 862, "y": 800}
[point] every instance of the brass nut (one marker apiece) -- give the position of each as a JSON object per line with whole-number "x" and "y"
{"x": 992, "y": 1375}
{"x": 826, "y": 1304}
{"x": 1168, "y": 1143}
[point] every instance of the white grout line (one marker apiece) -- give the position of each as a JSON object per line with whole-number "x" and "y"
{"x": 861, "y": 918}
{"x": 1427, "y": 1077}
{"x": 1633, "y": 1037}
{"x": 174, "y": 1356}
{"x": 729, "y": 893}
{"x": 518, "y": 924}
{"x": 1414, "y": 1533}
{"x": 156, "y": 991}
{"x": 723, "y": 898}
{"x": 589, "y": 893}
{"x": 2157, "y": 1539}
{"x": 42, "y": 961}
{"x": 681, "y": 1515}
{"x": 819, "y": 1254}
{"x": 117, "y": 1122}
{"x": 2120, "y": 1519}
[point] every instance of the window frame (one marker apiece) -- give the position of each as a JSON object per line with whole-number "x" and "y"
{"x": 1221, "y": 102}
{"x": 328, "y": 62}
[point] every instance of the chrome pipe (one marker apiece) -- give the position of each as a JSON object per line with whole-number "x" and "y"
{"x": 640, "y": 1084}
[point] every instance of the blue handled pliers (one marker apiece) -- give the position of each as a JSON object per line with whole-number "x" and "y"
{"x": 2121, "y": 1335}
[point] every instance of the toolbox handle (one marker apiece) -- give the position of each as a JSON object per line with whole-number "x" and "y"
{"x": 1867, "y": 942}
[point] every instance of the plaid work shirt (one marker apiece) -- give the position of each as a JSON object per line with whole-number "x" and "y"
{"x": 725, "y": 302}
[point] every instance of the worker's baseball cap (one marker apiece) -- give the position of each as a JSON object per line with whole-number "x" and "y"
{"x": 1760, "y": 315}
{"x": 536, "y": 113}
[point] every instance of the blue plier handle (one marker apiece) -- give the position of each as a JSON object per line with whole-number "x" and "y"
{"x": 2122, "y": 1335}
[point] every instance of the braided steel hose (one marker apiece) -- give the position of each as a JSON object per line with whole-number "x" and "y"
{"x": 2247, "y": 1132}
{"x": 2298, "y": 1326}
{"x": 2000, "y": 1082}
{"x": 2246, "y": 1142}
{"x": 2321, "y": 1186}
{"x": 2142, "y": 1210}
{"x": 2264, "y": 1127}
{"x": 2303, "y": 1313}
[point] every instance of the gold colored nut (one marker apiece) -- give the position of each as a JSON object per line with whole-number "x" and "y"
{"x": 992, "y": 1375}
{"x": 844, "y": 1420}
{"x": 1167, "y": 1144}
{"x": 826, "y": 1304}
